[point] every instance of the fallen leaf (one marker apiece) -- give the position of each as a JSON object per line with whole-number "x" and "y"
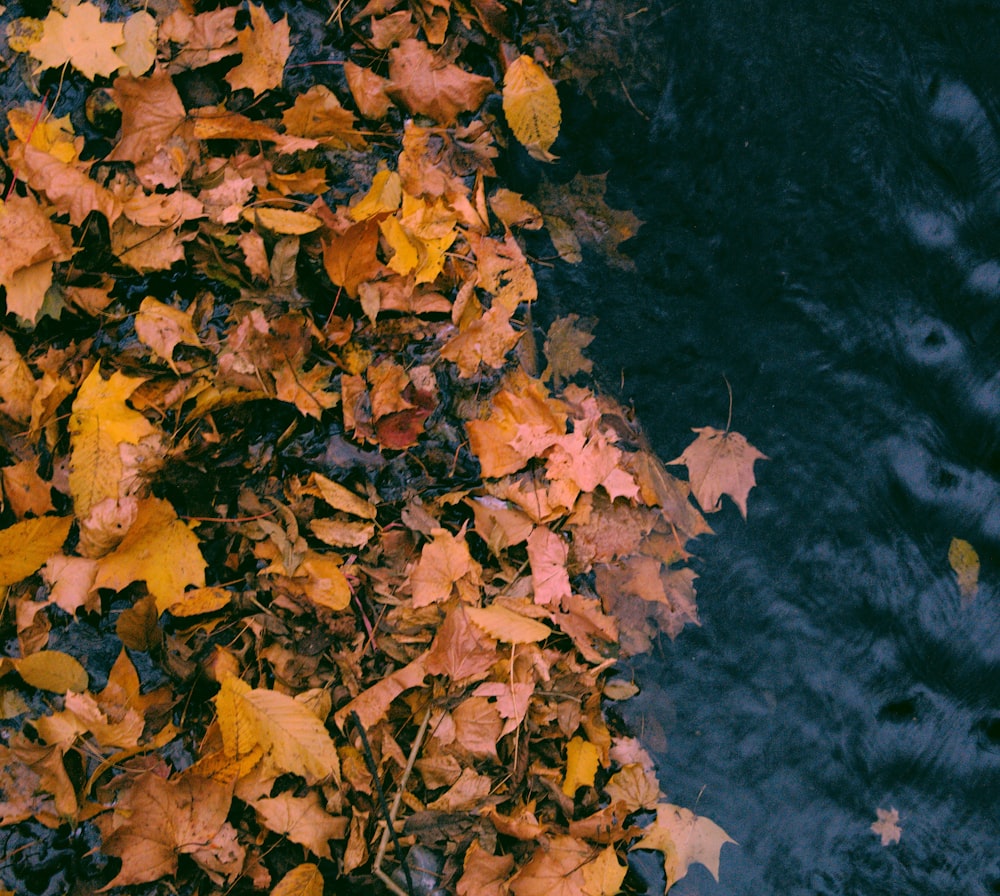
{"x": 302, "y": 820}
{"x": 80, "y": 38}
{"x": 581, "y": 765}
{"x": 507, "y": 625}
{"x": 265, "y": 47}
{"x": 605, "y": 875}
{"x": 684, "y": 838}
{"x": 293, "y": 738}
{"x": 720, "y": 463}
{"x": 163, "y": 327}
{"x": 531, "y": 106}
{"x": 483, "y": 874}
{"x": 564, "y": 342}
{"x": 429, "y": 85}
{"x": 965, "y": 562}
{"x": 25, "y": 546}
{"x": 52, "y": 670}
{"x": 555, "y": 869}
{"x": 444, "y": 564}
{"x": 303, "y": 880}
{"x": 887, "y": 826}
{"x": 318, "y": 114}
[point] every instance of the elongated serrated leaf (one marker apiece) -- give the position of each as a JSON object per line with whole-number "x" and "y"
{"x": 25, "y": 546}
{"x": 295, "y": 740}
{"x": 281, "y": 220}
{"x": 53, "y": 670}
{"x": 531, "y": 105}
{"x": 506, "y": 625}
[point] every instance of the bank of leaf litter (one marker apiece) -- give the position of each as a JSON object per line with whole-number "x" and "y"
{"x": 376, "y": 557}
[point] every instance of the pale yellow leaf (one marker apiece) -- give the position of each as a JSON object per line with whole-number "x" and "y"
{"x": 604, "y": 876}
{"x": 52, "y": 670}
{"x": 684, "y": 838}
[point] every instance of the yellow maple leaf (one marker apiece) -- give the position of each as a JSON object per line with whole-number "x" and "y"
{"x": 294, "y": 739}
{"x": 80, "y": 38}
{"x": 684, "y": 838}
{"x": 265, "y": 46}
{"x": 531, "y": 105}
{"x": 158, "y": 549}
{"x": 99, "y": 423}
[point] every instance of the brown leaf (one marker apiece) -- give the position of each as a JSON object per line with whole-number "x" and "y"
{"x": 349, "y": 258}
{"x": 483, "y": 874}
{"x": 265, "y": 46}
{"x": 429, "y": 85}
{"x": 303, "y": 820}
{"x": 368, "y": 90}
{"x": 157, "y": 820}
{"x": 555, "y": 869}
{"x": 317, "y": 114}
{"x": 720, "y": 463}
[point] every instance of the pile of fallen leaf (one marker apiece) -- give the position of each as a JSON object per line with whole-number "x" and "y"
{"x": 273, "y": 419}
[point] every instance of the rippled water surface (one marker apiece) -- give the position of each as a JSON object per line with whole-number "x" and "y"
{"x": 820, "y": 184}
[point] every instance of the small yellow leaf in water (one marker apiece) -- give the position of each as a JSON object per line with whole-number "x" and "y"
{"x": 965, "y": 561}
{"x": 581, "y": 765}
{"x": 53, "y": 670}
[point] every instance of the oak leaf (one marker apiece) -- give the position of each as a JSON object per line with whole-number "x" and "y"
{"x": 428, "y": 84}
{"x": 265, "y": 46}
{"x": 80, "y": 38}
{"x": 684, "y": 838}
{"x": 720, "y": 463}
{"x": 294, "y": 739}
{"x": 531, "y": 106}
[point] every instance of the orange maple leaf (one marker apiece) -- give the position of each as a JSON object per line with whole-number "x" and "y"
{"x": 720, "y": 462}
{"x": 265, "y": 46}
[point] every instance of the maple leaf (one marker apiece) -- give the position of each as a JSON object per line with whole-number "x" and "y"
{"x": 265, "y": 46}
{"x": 566, "y": 338}
{"x": 555, "y": 869}
{"x": 155, "y": 534}
{"x": 461, "y": 650}
{"x": 163, "y": 327}
{"x": 303, "y": 820}
{"x": 604, "y": 876}
{"x": 80, "y": 38}
{"x": 684, "y": 838}
{"x": 158, "y": 820}
{"x": 483, "y": 874}
{"x": 318, "y": 114}
{"x": 720, "y": 463}
{"x": 887, "y": 826}
{"x": 427, "y": 84}
{"x": 445, "y": 564}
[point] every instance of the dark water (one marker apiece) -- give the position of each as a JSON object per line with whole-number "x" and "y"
{"x": 820, "y": 184}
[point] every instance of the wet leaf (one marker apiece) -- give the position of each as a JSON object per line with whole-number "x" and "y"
{"x": 887, "y": 826}
{"x": 720, "y": 463}
{"x": 684, "y": 838}
{"x": 532, "y": 108}
{"x": 53, "y": 670}
{"x": 965, "y": 562}
{"x": 25, "y": 546}
{"x": 80, "y": 38}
